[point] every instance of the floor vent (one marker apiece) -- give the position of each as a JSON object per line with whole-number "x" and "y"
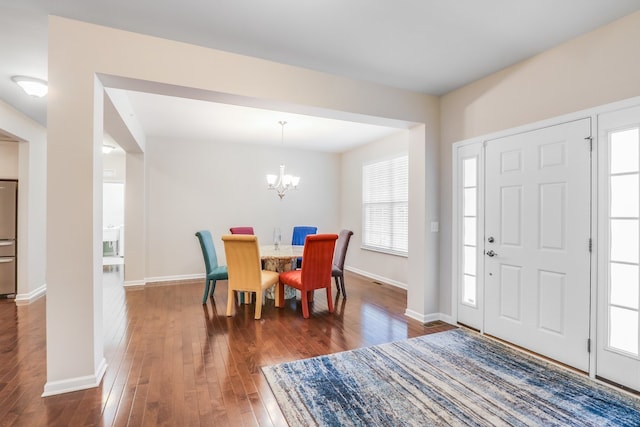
{"x": 375, "y": 282}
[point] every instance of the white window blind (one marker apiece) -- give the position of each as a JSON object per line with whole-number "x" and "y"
{"x": 385, "y": 206}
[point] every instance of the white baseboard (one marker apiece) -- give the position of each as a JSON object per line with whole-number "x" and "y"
{"x": 25, "y": 299}
{"x": 161, "y": 279}
{"x": 432, "y": 317}
{"x": 52, "y": 388}
{"x": 173, "y": 278}
{"x": 447, "y": 318}
{"x": 422, "y": 318}
{"x": 134, "y": 284}
{"x": 377, "y": 278}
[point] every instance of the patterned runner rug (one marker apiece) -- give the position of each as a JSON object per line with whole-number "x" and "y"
{"x": 451, "y": 378}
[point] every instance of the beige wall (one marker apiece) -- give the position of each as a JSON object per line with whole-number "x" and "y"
{"x": 30, "y": 168}
{"x": 9, "y": 160}
{"x": 83, "y": 56}
{"x": 595, "y": 69}
{"x": 389, "y": 268}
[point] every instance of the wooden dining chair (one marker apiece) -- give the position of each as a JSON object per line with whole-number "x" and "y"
{"x": 245, "y": 271}
{"x": 243, "y": 230}
{"x": 317, "y": 258}
{"x": 337, "y": 271}
{"x": 214, "y": 271}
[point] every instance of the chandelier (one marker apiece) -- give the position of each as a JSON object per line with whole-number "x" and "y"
{"x": 282, "y": 183}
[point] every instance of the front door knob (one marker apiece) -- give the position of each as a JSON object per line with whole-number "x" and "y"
{"x": 491, "y": 254}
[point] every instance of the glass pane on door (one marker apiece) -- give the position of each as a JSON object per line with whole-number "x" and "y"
{"x": 624, "y": 285}
{"x": 624, "y": 151}
{"x": 624, "y": 240}
{"x": 469, "y": 231}
{"x": 623, "y": 334}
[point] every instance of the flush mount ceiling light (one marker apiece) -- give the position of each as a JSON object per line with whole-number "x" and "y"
{"x": 32, "y": 86}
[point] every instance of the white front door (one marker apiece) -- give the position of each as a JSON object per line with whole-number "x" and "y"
{"x": 537, "y": 241}
{"x": 618, "y": 356}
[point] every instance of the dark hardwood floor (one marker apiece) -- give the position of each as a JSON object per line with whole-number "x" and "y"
{"x": 175, "y": 362}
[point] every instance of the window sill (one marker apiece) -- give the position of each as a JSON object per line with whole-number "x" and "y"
{"x": 385, "y": 251}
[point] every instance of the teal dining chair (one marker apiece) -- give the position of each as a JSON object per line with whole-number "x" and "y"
{"x": 214, "y": 272}
{"x": 300, "y": 233}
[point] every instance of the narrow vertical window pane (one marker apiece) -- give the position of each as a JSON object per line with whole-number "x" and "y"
{"x": 470, "y": 260}
{"x": 470, "y": 172}
{"x": 624, "y": 240}
{"x": 624, "y": 196}
{"x": 624, "y": 285}
{"x": 470, "y": 202}
{"x": 469, "y": 292}
{"x": 623, "y": 333}
{"x": 470, "y": 231}
{"x": 624, "y": 151}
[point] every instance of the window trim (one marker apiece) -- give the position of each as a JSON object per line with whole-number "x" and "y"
{"x": 383, "y": 249}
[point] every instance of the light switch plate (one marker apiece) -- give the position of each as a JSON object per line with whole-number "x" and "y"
{"x": 435, "y": 226}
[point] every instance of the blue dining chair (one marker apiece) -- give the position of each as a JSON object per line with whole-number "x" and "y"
{"x": 300, "y": 233}
{"x": 213, "y": 270}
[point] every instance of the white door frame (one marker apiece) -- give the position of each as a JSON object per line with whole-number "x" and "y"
{"x": 595, "y": 223}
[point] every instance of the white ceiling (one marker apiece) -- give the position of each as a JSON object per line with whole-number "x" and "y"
{"x": 239, "y": 124}
{"x": 430, "y": 46}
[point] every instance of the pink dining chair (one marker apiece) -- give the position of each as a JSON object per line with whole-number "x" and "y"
{"x": 241, "y": 230}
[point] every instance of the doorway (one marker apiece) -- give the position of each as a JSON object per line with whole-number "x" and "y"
{"x": 523, "y": 233}
{"x": 113, "y": 204}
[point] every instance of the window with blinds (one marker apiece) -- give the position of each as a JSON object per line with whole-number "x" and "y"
{"x": 385, "y": 206}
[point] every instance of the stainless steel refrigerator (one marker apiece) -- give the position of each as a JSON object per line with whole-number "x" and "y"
{"x": 8, "y": 228}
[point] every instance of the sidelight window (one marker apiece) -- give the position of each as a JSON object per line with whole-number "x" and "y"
{"x": 624, "y": 221}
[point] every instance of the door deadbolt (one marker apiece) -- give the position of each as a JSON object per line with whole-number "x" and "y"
{"x": 491, "y": 239}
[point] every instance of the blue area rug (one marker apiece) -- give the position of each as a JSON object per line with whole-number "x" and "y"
{"x": 451, "y": 378}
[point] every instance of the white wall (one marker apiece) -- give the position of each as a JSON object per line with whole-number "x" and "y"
{"x": 112, "y": 204}
{"x": 195, "y": 185}
{"x": 595, "y": 69}
{"x": 114, "y": 166}
{"x": 391, "y": 268}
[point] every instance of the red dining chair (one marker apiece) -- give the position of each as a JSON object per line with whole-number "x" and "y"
{"x": 317, "y": 258}
{"x": 241, "y": 230}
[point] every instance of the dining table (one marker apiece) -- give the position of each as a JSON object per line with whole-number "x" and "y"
{"x": 280, "y": 258}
